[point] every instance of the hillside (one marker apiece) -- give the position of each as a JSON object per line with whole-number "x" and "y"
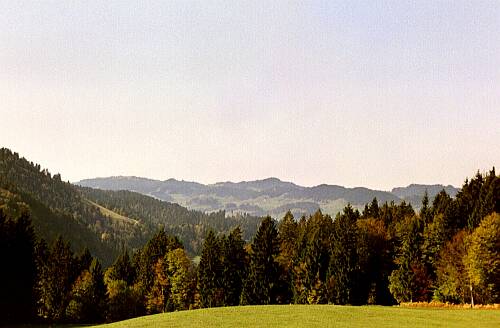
{"x": 264, "y": 197}
{"x": 101, "y": 221}
{"x": 316, "y": 316}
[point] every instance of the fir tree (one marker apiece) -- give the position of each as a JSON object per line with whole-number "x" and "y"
{"x": 210, "y": 272}
{"x": 425, "y": 211}
{"x": 18, "y": 273}
{"x": 123, "y": 269}
{"x": 343, "y": 270}
{"x": 260, "y": 286}
{"x": 234, "y": 267}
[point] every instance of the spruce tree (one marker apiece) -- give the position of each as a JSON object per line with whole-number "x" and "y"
{"x": 288, "y": 245}
{"x": 98, "y": 293}
{"x": 343, "y": 270}
{"x": 425, "y": 211}
{"x": 210, "y": 272}
{"x": 18, "y": 273}
{"x": 123, "y": 269}
{"x": 234, "y": 265}
{"x": 262, "y": 281}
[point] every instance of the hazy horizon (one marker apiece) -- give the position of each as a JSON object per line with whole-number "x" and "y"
{"x": 359, "y": 94}
{"x": 260, "y": 179}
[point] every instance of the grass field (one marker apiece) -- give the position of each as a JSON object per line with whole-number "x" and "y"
{"x": 318, "y": 316}
{"x": 112, "y": 215}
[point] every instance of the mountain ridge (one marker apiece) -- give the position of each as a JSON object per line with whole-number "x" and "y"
{"x": 268, "y": 196}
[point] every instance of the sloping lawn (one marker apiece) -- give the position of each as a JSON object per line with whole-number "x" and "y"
{"x": 318, "y": 316}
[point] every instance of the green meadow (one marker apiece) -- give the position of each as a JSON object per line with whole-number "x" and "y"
{"x": 317, "y": 316}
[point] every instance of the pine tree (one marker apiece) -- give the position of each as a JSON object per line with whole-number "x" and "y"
{"x": 210, "y": 273}
{"x": 98, "y": 297}
{"x": 18, "y": 273}
{"x": 234, "y": 267}
{"x": 374, "y": 251}
{"x": 288, "y": 252}
{"x": 425, "y": 211}
{"x": 262, "y": 281}
{"x": 311, "y": 263}
{"x": 343, "y": 270}
{"x": 372, "y": 210}
{"x": 123, "y": 269}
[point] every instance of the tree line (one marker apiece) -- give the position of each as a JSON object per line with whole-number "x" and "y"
{"x": 385, "y": 254}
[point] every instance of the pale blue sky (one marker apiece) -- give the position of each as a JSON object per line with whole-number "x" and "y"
{"x": 357, "y": 93}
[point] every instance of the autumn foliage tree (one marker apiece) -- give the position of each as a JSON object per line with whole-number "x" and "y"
{"x": 483, "y": 260}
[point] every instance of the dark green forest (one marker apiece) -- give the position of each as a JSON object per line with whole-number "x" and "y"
{"x": 386, "y": 254}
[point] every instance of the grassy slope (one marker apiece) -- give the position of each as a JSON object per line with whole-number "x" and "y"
{"x": 110, "y": 214}
{"x": 318, "y": 316}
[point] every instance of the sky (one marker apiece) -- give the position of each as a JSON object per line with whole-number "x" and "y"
{"x": 356, "y": 93}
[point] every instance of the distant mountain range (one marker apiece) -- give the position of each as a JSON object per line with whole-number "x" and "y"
{"x": 270, "y": 196}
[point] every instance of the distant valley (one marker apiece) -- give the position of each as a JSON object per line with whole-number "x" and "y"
{"x": 265, "y": 197}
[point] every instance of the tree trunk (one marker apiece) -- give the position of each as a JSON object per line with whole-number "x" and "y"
{"x": 471, "y": 297}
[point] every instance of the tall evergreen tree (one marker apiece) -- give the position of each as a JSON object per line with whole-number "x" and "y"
{"x": 288, "y": 252}
{"x": 18, "y": 273}
{"x": 262, "y": 281}
{"x": 234, "y": 267}
{"x": 312, "y": 261}
{"x": 343, "y": 270}
{"x": 371, "y": 210}
{"x": 210, "y": 272}
{"x": 375, "y": 262}
{"x": 123, "y": 268}
{"x": 425, "y": 211}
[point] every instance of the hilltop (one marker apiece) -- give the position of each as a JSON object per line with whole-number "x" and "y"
{"x": 316, "y": 316}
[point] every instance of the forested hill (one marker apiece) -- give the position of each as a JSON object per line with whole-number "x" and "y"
{"x": 266, "y": 197}
{"x": 189, "y": 225}
{"x": 102, "y": 221}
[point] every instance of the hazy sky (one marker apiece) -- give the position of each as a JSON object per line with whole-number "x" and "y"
{"x": 357, "y": 93}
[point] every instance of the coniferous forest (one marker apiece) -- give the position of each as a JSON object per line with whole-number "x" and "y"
{"x": 386, "y": 254}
